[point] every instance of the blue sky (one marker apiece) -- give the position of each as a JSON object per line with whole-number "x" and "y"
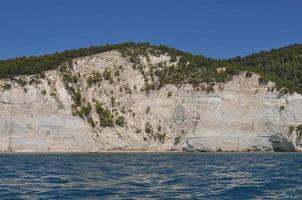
{"x": 214, "y": 28}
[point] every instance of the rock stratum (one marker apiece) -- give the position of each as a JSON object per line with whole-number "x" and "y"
{"x": 102, "y": 103}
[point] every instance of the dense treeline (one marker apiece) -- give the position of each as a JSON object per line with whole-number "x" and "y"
{"x": 36, "y": 64}
{"x": 284, "y": 65}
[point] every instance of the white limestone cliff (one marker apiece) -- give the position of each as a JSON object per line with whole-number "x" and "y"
{"x": 239, "y": 115}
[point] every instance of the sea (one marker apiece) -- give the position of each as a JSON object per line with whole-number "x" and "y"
{"x": 151, "y": 176}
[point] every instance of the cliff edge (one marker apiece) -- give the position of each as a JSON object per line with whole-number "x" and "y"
{"x": 108, "y": 102}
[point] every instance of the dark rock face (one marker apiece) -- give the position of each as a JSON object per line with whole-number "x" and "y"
{"x": 281, "y": 144}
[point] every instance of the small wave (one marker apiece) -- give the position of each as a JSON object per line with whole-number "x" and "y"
{"x": 152, "y": 175}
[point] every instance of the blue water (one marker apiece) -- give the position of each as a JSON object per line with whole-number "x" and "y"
{"x": 151, "y": 176}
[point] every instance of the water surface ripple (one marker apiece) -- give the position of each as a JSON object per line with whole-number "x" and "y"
{"x": 151, "y": 176}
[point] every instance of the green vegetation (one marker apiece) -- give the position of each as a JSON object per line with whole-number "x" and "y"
{"x": 209, "y": 88}
{"x": 84, "y": 111}
{"x": 70, "y": 82}
{"x": 36, "y": 64}
{"x": 120, "y": 121}
{"x": 107, "y": 74}
{"x": 283, "y": 66}
{"x": 91, "y": 122}
{"x": 6, "y": 86}
{"x": 148, "y": 128}
{"x": 263, "y": 80}
{"x": 162, "y": 137}
{"x": 248, "y": 74}
{"x": 291, "y": 128}
{"x": 299, "y": 131}
{"x": 177, "y": 140}
{"x": 112, "y": 101}
{"x": 299, "y": 128}
{"x": 96, "y": 77}
{"x": 20, "y": 81}
{"x": 105, "y": 116}
{"x": 35, "y": 80}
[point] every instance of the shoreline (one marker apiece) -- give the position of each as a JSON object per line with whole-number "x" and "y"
{"x": 142, "y": 151}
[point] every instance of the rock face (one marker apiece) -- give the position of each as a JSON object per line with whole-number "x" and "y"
{"x": 65, "y": 111}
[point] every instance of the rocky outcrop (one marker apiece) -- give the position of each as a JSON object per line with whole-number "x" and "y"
{"x": 101, "y": 103}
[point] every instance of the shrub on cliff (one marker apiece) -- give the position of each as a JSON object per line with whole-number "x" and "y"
{"x": 148, "y": 128}
{"x": 291, "y": 128}
{"x": 120, "y": 121}
{"x": 299, "y": 128}
{"x": 161, "y": 137}
{"x": 248, "y": 75}
{"x": 177, "y": 140}
{"x": 263, "y": 80}
{"x": 6, "y": 86}
{"x": 85, "y": 110}
{"x": 105, "y": 116}
{"x": 91, "y": 122}
{"x": 96, "y": 77}
{"x": 107, "y": 74}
